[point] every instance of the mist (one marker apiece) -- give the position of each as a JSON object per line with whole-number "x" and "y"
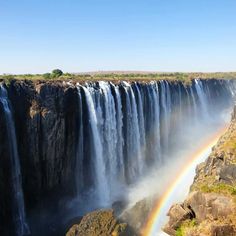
{"x": 147, "y": 133}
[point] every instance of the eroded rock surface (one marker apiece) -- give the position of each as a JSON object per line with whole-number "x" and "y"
{"x": 210, "y": 208}
{"x": 102, "y": 222}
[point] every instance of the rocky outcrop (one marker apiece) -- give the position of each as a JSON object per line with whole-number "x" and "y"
{"x": 210, "y": 208}
{"x": 101, "y": 222}
{"x": 136, "y": 214}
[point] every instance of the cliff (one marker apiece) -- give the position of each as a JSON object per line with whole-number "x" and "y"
{"x": 210, "y": 208}
{"x": 45, "y": 117}
{"x": 86, "y": 142}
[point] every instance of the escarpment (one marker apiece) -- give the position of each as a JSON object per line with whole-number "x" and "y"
{"x": 210, "y": 208}
{"x": 45, "y": 121}
{"x": 80, "y": 146}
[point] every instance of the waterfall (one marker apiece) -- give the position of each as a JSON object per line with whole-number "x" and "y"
{"x": 19, "y": 217}
{"x": 102, "y": 140}
{"x": 133, "y": 127}
{"x": 120, "y": 139}
{"x": 202, "y": 99}
{"x": 100, "y": 179}
{"x": 133, "y": 138}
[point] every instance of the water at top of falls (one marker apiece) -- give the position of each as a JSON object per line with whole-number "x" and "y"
{"x": 18, "y": 208}
{"x": 141, "y": 119}
{"x": 202, "y": 98}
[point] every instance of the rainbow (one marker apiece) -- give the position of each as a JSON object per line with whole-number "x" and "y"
{"x": 155, "y": 221}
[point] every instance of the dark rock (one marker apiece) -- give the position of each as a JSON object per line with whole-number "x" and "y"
{"x": 119, "y": 206}
{"x": 46, "y": 121}
{"x": 135, "y": 215}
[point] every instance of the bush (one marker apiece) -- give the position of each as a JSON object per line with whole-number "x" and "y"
{"x": 47, "y": 76}
{"x": 57, "y": 73}
{"x": 179, "y": 232}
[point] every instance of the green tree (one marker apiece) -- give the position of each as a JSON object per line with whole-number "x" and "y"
{"x": 57, "y": 73}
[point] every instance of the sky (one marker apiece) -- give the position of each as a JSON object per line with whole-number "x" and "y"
{"x": 37, "y": 36}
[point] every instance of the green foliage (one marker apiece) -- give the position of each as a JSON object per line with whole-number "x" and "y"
{"x": 219, "y": 188}
{"x": 47, "y": 76}
{"x": 179, "y": 232}
{"x": 67, "y": 74}
{"x": 56, "y": 73}
{"x": 186, "y": 225}
{"x": 7, "y": 79}
{"x": 130, "y": 76}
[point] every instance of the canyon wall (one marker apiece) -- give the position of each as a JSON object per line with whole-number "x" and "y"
{"x": 210, "y": 207}
{"x": 88, "y": 141}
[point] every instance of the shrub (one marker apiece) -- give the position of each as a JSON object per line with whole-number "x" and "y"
{"x": 57, "y": 73}
{"x": 47, "y": 76}
{"x": 179, "y": 232}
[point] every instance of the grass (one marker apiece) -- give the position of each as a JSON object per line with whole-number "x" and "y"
{"x": 220, "y": 188}
{"x": 116, "y": 76}
{"x": 185, "y": 227}
{"x": 230, "y": 145}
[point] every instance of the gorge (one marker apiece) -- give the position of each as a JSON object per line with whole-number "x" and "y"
{"x": 68, "y": 148}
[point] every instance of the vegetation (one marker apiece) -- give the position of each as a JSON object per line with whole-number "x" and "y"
{"x": 56, "y": 73}
{"x": 185, "y": 227}
{"x": 117, "y": 76}
{"x": 219, "y": 188}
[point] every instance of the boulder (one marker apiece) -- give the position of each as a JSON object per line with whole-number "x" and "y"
{"x": 209, "y": 205}
{"x": 178, "y": 214}
{"x": 100, "y": 222}
{"x": 228, "y": 174}
{"x": 136, "y": 214}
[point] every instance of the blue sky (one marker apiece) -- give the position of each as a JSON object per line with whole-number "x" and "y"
{"x": 37, "y": 36}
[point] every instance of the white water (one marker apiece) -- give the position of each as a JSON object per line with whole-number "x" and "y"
{"x": 101, "y": 182}
{"x": 21, "y": 226}
{"x": 135, "y": 128}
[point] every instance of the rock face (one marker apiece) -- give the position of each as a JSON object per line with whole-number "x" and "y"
{"x": 211, "y": 203}
{"x": 102, "y": 222}
{"x": 45, "y": 120}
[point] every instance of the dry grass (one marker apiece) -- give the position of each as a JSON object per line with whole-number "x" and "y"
{"x": 128, "y": 76}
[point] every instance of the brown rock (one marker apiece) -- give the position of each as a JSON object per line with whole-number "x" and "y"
{"x": 228, "y": 174}
{"x": 177, "y": 214}
{"x": 223, "y": 230}
{"x": 102, "y": 223}
{"x": 209, "y": 205}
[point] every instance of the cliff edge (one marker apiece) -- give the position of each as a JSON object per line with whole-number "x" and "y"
{"x": 210, "y": 208}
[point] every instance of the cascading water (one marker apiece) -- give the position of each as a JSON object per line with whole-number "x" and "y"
{"x": 114, "y": 137}
{"x": 135, "y": 127}
{"x": 202, "y": 98}
{"x": 101, "y": 182}
{"x": 18, "y": 208}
